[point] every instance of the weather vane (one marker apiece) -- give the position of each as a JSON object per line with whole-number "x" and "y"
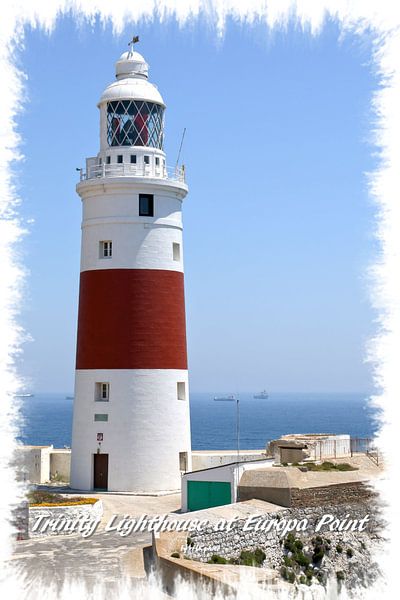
{"x": 133, "y": 41}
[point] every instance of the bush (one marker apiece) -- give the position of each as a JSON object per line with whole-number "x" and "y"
{"x": 339, "y": 549}
{"x": 175, "y": 555}
{"x": 260, "y": 556}
{"x": 291, "y": 577}
{"x": 288, "y": 561}
{"x": 299, "y": 544}
{"x": 301, "y": 559}
{"x": 318, "y": 555}
{"x": 303, "y": 579}
{"x": 349, "y": 552}
{"x": 252, "y": 559}
{"x": 339, "y": 575}
{"x": 216, "y": 559}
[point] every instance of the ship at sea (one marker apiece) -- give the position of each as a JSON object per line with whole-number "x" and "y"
{"x": 261, "y": 395}
{"x": 224, "y": 398}
{"x": 23, "y": 395}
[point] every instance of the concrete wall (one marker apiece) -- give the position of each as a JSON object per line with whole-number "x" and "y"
{"x": 33, "y": 463}
{"x": 206, "y": 460}
{"x": 60, "y": 464}
{"x": 38, "y": 464}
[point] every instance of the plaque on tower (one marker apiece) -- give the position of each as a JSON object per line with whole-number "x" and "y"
{"x": 99, "y": 437}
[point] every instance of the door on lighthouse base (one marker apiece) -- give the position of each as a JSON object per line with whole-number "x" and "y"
{"x": 100, "y": 471}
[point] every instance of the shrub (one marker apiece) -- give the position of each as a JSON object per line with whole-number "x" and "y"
{"x": 216, "y": 559}
{"x": 318, "y": 554}
{"x": 319, "y": 539}
{"x": 288, "y": 561}
{"x": 339, "y": 575}
{"x": 339, "y": 549}
{"x": 291, "y": 577}
{"x": 303, "y": 579}
{"x": 349, "y": 552}
{"x": 309, "y": 573}
{"x": 260, "y": 556}
{"x": 302, "y": 560}
{"x": 299, "y": 544}
{"x": 175, "y": 555}
{"x": 252, "y": 559}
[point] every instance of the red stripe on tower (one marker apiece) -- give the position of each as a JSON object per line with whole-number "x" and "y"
{"x": 131, "y": 319}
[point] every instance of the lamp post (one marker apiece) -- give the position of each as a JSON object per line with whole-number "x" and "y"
{"x": 233, "y": 399}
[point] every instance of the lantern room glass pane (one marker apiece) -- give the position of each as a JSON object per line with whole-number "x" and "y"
{"x": 135, "y": 123}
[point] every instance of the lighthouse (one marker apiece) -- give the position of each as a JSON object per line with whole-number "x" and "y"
{"x": 131, "y": 426}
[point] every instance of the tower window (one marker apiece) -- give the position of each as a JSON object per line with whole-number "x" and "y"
{"x": 133, "y": 159}
{"x": 106, "y": 249}
{"x": 146, "y": 205}
{"x": 157, "y": 161}
{"x": 100, "y": 417}
{"x": 176, "y": 251}
{"x": 181, "y": 390}
{"x": 108, "y": 159}
{"x": 120, "y": 158}
{"x": 146, "y": 160}
{"x": 102, "y": 392}
{"x": 183, "y": 460}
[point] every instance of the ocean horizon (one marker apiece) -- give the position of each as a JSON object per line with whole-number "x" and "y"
{"x": 47, "y": 418}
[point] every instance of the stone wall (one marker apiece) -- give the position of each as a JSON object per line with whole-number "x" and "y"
{"x": 342, "y": 493}
{"x": 360, "y": 569}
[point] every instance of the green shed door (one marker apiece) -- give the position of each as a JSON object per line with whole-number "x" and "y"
{"x": 204, "y": 494}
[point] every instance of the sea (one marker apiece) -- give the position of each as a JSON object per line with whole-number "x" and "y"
{"x": 47, "y": 418}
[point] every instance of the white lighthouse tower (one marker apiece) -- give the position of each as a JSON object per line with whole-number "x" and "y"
{"x": 131, "y": 428}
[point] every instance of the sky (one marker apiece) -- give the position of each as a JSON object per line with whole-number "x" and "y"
{"x": 278, "y": 225}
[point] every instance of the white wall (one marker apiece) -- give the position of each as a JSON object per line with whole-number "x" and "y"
{"x": 147, "y": 428}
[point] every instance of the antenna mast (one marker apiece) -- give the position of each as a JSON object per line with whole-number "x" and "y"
{"x": 180, "y": 148}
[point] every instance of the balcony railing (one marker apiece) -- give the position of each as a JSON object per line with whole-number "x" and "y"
{"x": 95, "y": 171}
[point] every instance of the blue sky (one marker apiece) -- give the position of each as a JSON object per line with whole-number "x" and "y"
{"x": 278, "y": 223}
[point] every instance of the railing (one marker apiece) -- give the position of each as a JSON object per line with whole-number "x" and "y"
{"x": 95, "y": 171}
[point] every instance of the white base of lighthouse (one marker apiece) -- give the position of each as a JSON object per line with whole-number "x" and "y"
{"x": 144, "y": 428}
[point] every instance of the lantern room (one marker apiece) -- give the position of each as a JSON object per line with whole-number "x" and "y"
{"x": 131, "y": 108}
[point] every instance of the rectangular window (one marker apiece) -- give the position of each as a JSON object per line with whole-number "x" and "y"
{"x": 108, "y": 159}
{"x": 133, "y": 159}
{"x": 181, "y": 390}
{"x": 106, "y": 249}
{"x": 157, "y": 161}
{"x": 183, "y": 456}
{"x": 146, "y": 205}
{"x": 100, "y": 160}
{"x": 100, "y": 417}
{"x": 176, "y": 251}
{"x": 102, "y": 392}
{"x": 146, "y": 160}
{"x": 120, "y": 158}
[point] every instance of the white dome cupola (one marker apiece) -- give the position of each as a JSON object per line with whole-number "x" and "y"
{"x": 131, "y": 108}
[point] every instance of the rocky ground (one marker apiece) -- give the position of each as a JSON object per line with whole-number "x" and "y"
{"x": 302, "y": 557}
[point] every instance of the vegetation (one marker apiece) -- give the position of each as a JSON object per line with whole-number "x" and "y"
{"x": 189, "y": 542}
{"x": 340, "y": 575}
{"x": 216, "y": 559}
{"x": 339, "y": 549}
{"x": 349, "y": 552}
{"x": 43, "y": 498}
{"x": 330, "y": 466}
{"x": 252, "y": 559}
{"x": 175, "y": 555}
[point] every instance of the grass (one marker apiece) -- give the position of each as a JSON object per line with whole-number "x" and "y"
{"x": 43, "y": 498}
{"x": 330, "y": 466}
